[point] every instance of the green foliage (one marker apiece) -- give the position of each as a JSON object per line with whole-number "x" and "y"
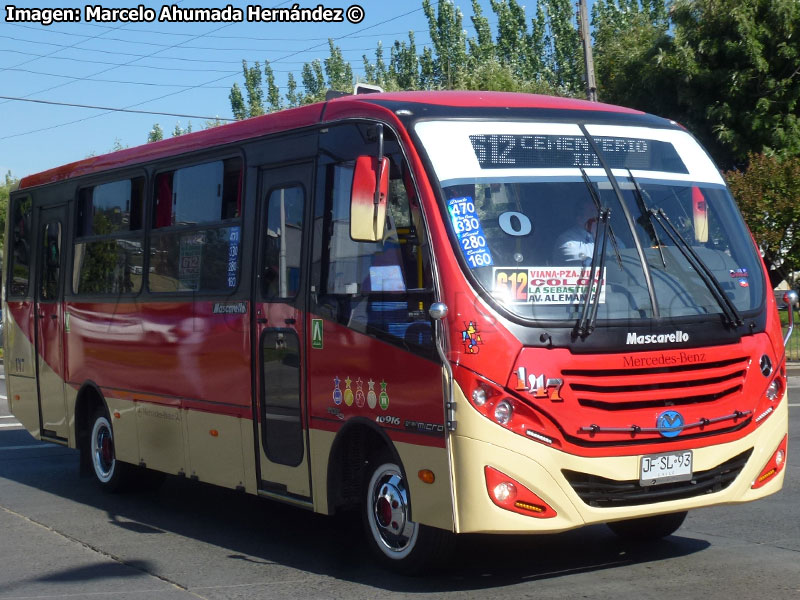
{"x": 156, "y": 134}
{"x": 238, "y": 106}
{"x": 543, "y": 58}
{"x": 5, "y": 190}
{"x": 273, "y": 93}
{"x": 727, "y": 69}
{"x": 339, "y": 72}
{"x": 768, "y": 194}
{"x": 313, "y": 81}
{"x": 180, "y": 130}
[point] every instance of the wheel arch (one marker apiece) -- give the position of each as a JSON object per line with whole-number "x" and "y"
{"x": 359, "y": 440}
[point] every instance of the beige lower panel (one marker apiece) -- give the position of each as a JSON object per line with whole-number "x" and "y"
{"x": 431, "y": 503}
{"x": 23, "y": 402}
{"x": 161, "y": 437}
{"x": 52, "y": 390}
{"x": 214, "y": 450}
{"x": 320, "y": 444}
{"x": 124, "y": 425}
{"x": 70, "y": 398}
{"x": 538, "y": 467}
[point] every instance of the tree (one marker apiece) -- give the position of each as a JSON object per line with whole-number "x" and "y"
{"x": 742, "y": 62}
{"x": 449, "y": 43}
{"x": 181, "y": 131}
{"x": 313, "y": 80}
{"x": 5, "y": 190}
{"x": 726, "y": 69}
{"x": 273, "y": 93}
{"x": 156, "y": 134}
{"x": 768, "y": 194}
{"x": 292, "y": 97}
{"x": 238, "y": 106}
{"x": 339, "y": 73}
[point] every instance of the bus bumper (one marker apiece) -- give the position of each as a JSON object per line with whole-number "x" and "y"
{"x": 540, "y": 469}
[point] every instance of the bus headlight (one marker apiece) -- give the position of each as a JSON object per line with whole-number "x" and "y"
{"x": 773, "y": 390}
{"x": 503, "y": 412}
{"x": 479, "y": 396}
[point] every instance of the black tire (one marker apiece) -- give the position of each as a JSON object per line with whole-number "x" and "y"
{"x": 647, "y": 529}
{"x": 397, "y": 542}
{"x": 110, "y": 474}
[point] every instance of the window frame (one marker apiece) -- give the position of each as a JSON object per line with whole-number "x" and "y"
{"x": 30, "y": 292}
{"x": 261, "y": 230}
{"x": 316, "y": 279}
{"x": 69, "y": 290}
{"x": 151, "y": 230}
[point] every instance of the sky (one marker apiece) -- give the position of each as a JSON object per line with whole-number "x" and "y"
{"x": 181, "y": 68}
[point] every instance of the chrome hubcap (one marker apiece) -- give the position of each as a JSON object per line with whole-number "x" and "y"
{"x": 103, "y": 450}
{"x": 389, "y": 511}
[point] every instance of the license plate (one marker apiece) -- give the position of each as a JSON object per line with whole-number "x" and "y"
{"x": 665, "y": 468}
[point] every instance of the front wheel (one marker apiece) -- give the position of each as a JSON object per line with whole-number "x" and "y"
{"x": 647, "y": 529}
{"x": 111, "y": 474}
{"x": 399, "y": 543}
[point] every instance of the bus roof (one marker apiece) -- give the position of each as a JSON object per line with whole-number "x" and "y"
{"x": 305, "y": 116}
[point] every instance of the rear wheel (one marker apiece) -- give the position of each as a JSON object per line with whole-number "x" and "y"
{"x": 648, "y": 528}
{"x": 110, "y": 474}
{"x": 398, "y": 542}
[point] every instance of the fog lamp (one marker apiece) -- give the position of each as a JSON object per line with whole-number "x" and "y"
{"x": 504, "y": 491}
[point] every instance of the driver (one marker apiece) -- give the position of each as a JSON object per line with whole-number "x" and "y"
{"x": 576, "y": 244}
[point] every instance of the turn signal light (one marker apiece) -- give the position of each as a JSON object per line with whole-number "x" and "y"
{"x": 774, "y": 466}
{"x": 510, "y": 494}
{"x": 426, "y": 476}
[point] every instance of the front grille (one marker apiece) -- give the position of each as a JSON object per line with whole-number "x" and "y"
{"x": 680, "y": 385}
{"x": 606, "y": 493}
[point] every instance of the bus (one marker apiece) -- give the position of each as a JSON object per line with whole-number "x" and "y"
{"x": 454, "y": 312}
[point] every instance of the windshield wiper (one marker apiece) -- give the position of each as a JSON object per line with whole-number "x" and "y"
{"x": 590, "y": 303}
{"x": 732, "y": 315}
{"x": 648, "y": 278}
{"x": 598, "y": 205}
{"x": 650, "y": 228}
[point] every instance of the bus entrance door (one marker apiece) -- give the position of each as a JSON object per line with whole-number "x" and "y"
{"x": 279, "y": 307}
{"x": 50, "y": 324}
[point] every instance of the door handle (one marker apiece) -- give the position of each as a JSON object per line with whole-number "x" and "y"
{"x": 261, "y": 320}
{"x": 54, "y": 317}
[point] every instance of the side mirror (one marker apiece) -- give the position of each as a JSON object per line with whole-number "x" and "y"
{"x": 791, "y": 299}
{"x": 368, "y": 199}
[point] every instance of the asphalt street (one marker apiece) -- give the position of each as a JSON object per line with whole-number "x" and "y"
{"x": 62, "y": 538}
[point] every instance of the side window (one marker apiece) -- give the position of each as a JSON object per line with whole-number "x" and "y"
{"x": 108, "y": 257}
{"x": 51, "y": 261}
{"x": 196, "y": 236}
{"x": 382, "y": 288}
{"x": 20, "y": 246}
{"x": 283, "y": 244}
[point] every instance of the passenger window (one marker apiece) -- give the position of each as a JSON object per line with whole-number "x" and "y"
{"x": 111, "y": 207}
{"x": 283, "y": 244}
{"x": 196, "y": 237}
{"x": 20, "y": 230}
{"x": 108, "y": 256}
{"x": 382, "y": 288}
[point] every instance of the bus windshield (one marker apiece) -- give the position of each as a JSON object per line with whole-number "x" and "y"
{"x": 523, "y": 201}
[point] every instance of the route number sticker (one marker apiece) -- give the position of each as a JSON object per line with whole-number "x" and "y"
{"x": 545, "y": 285}
{"x": 469, "y": 231}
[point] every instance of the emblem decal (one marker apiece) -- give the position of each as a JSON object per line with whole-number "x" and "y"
{"x": 471, "y": 338}
{"x": 540, "y": 386}
{"x": 670, "y": 423}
